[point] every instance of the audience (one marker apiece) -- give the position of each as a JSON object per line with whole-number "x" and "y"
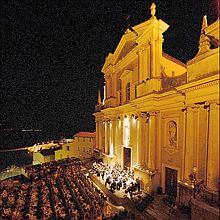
{"x": 56, "y": 190}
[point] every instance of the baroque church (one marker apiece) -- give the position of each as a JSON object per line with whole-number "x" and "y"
{"x": 160, "y": 117}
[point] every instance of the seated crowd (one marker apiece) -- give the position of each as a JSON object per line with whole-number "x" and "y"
{"x": 116, "y": 178}
{"x": 55, "y": 190}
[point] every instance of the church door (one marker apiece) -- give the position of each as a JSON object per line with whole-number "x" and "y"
{"x": 171, "y": 182}
{"x": 127, "y": 157}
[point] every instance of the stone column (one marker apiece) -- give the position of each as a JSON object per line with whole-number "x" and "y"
{"x": 184, "y": 112}
{"x": 158, "y": 164}
{"x": 111, "y": 135}
{"x": 133, "y": 140}
{"x": 100, "y": 135}
{"x": 145, "y": 136}
{"x": 213, "y": 147}
{"x": 97, "y": 134}
{"x": 121, "y": 153}
{"x": 106, "y": 137}
{"x": 139, "y": 140}
{"x": 152, "y": 141}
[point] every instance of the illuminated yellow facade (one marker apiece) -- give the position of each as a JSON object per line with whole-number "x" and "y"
{"x": 159, "y": 116}
{"x": 82, "y": 146}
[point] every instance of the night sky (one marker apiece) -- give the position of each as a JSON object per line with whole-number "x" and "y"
{"x": 52, "y": 53}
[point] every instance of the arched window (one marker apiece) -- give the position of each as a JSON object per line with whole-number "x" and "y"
{"x": 128, "y": 92}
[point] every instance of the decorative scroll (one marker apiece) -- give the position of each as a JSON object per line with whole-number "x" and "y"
{"x": 172, "y": 82}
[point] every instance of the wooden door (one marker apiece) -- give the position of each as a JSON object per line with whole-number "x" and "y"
{"x": 127, "y": 157}
{"x": 171, "y": 182}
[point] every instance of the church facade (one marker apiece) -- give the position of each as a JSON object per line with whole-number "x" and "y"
{"x": 160, "y": 117}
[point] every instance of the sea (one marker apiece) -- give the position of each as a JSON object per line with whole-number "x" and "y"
{"x": 14, "y": 139}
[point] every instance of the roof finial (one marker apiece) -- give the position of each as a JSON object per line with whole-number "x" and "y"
{"x": 204, "y": 44}
{"x": 204, "y": 23}
{"x": 99, "y": 97}
{"x": 153, "y": 9}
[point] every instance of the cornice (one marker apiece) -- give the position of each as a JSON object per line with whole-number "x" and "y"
{"x": 205, "y": 82}
{"x": 202, "y": 86}
{"x": 213, "y": 27}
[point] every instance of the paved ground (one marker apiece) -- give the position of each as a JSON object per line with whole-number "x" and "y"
{"x": 161, "y": 211}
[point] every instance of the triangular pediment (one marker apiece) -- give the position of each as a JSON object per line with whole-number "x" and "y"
{"x": 125, "y": 45}
{"x": 130, "y": 40}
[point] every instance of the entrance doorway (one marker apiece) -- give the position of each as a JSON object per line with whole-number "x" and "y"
{"x": 170, "y": 181}
{"x": 127, "y": 157}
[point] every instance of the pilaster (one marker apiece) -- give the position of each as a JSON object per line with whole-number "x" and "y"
{"x": 190, "y": 141}
{"x": 140, "y": 64}
{"x": 100, "y": 137}
{"x": 153, "y": 63}
{"x": 112, "y": 137}
{"x": 213, "y": 148}
{"x": 202, "y": 138}
{"x": 106, "y": 138}
{"x": 97, "y": 134}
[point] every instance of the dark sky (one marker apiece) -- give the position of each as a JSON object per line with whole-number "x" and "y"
{"x": 52, "y": 53}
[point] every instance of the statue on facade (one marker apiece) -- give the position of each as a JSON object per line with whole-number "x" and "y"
{"x": 172, "y": 133}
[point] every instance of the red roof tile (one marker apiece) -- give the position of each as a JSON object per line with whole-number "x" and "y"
{"x": 173, "y": 59}
{"x": 85, "y": 134}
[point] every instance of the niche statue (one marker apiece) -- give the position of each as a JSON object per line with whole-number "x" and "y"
{"x": 172, "y": 133}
